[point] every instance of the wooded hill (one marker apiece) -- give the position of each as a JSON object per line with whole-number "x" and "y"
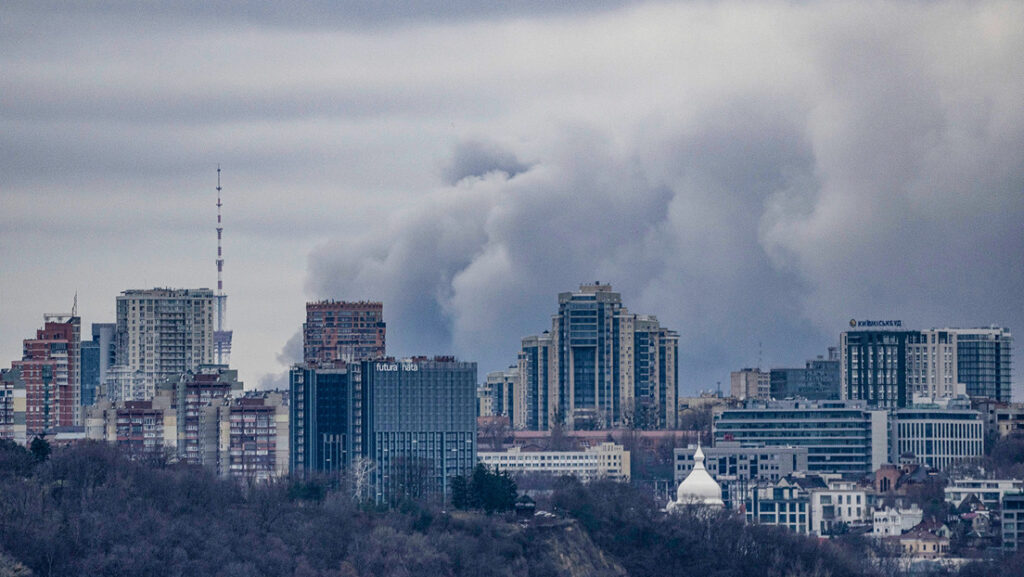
{"x": 86, "y": 510}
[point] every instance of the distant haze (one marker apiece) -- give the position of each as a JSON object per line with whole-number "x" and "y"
{"x": 753, "y": 173}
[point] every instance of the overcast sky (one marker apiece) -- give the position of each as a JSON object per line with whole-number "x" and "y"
{"x": 753, "y": 173}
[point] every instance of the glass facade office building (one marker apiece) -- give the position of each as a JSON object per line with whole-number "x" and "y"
{"x": 938, "y": 437}
{"x": 325, "y": 417}
{"x": 983, "y": 362}
{"x": 421, "y": 424}
{"x": 873, "y": 367}
{"x": 841, "y": 437}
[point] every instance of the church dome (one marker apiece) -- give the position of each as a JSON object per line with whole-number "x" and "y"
{"x": 699, "y": 488}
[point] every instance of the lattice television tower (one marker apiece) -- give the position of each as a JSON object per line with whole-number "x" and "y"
{"x": 221, "y": 337}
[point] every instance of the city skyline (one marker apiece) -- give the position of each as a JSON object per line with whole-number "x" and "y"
{"x": 750, "y": 179}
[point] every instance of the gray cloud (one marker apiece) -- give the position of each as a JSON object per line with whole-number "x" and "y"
{"x": 477, "y": 158}
{"x": 755, "y": 228}
{"x": 750, "y": 173}
{"x": 320, "y": 14}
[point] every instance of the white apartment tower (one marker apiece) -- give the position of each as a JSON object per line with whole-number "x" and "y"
{"x": 932, "y": 364}
{"x": 163, "y": 332}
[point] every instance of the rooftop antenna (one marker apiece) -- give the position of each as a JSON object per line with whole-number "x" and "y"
{"x": 221, "y": 337}
{"x": 220, "y": 253}
{"x": 74, "y": 307}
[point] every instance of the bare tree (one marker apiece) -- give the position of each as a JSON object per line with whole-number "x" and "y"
{"x": 495, "y": 430}
{"x": 558, "y": 441}
{"x": 361, "y": 470}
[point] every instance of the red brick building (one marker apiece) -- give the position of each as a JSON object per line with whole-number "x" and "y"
{"x": 342, "y": 331}
{"x": 52, "y": 377}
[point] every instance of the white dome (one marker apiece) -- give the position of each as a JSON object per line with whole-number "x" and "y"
{"x": 699, "y": 488}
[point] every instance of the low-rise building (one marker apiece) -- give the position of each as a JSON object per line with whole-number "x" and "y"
{"x": 731, "y": 460}
{"x": 989, "y": 491}
{"x": 1013, "y": 522}
{"x": 1001, "y": 419}
{"x": 937, "y": 437}
{"x": 785, "y": 504}
{"x": 843, "y": 437}
{"x": 921, "y": 544}
{"x": 838, "y": 506}
{"x": 604, "y": 461}
{"x": 890, "y": 521}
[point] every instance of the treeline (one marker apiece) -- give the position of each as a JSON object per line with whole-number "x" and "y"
{"x": 88, "y": 511}
{"x": 626, "y": 524}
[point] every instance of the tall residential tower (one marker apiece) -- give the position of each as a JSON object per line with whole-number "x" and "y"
{"x": 162, "y": 333}
{"x": 600, "y": 366}
{"x": 51, "y": 374}
{"x": 342, "y": 331}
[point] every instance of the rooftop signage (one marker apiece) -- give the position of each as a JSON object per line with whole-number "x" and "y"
{"x": 855, "y": 324}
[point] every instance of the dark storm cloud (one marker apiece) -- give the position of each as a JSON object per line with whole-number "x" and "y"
{"x": 867, "y": 184}
{"x": 754, "y": 174}
{"x": 687, "y": 252}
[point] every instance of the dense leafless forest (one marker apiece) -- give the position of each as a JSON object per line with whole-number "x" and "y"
{"x": 86, "y": 510}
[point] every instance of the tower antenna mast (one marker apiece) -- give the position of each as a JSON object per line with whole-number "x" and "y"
{"x": 221, "y": 337}
{"x": 220, "y": 252}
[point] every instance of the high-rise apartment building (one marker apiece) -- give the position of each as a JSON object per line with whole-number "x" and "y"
{"x": 256, "y": 427}
{"x": 932, "y": 364}
{"x": 89, "y": 352}
{"x": 657, "y": 372}
{"x": 200, "y": 398}
{"x": 818, "y": 380}
{"x": 600, "y": 366}
{"x": 343, "y": 331}
{"x": 50, "y": 370}
{"x": 750, "y": 384}
{"x": 12, "y": 406}
{"x": 507, "y": 396}
{"x": 890, "y": 368}
{"x": 538, "y": 381}
{"x": 326, "y": 417}
{"x": 97, "y": 355}
{"x": 983, "y": 362}
{"x": 163, "y": 333}
{"x": 204, "y": 419}
{"x": 873, "y": 367}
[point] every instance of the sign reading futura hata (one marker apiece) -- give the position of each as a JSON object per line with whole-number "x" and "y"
{"x": 392, "y": 367}
{"x": 854, "y": 323}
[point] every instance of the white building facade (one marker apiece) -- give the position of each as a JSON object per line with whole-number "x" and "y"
{"x": 164, "y": 332}
{"x": 938, "y": 438}
{"x": 605, "y": 461}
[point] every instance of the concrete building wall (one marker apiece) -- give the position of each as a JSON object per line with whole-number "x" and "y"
{"x": 164, "y": 333}
{"x": 340, "y": 331}
{"x": 604, "y": 461}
